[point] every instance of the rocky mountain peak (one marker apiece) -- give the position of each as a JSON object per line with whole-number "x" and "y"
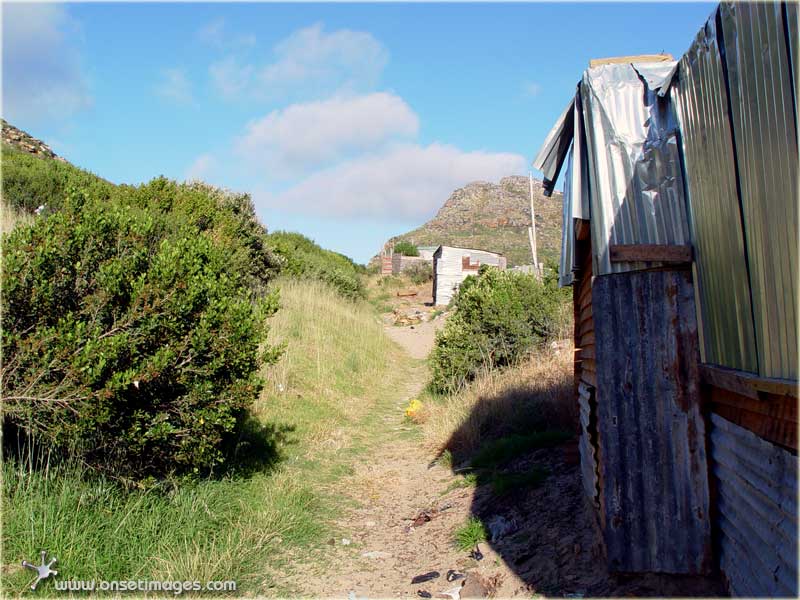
{"x": 27, "y": 143}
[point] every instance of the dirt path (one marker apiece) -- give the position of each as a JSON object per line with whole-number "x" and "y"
{"x": 547, "y": 546}
{"x": 417, "y": 340}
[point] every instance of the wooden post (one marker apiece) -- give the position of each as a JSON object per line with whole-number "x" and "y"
{"x": 532, "y": 230}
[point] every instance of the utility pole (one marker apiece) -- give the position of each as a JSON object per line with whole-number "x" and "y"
{"x": 532, "y": 230}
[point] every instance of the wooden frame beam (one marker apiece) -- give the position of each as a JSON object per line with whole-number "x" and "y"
{"x": 747, "y": 384}
{"x": 650, "y": 253}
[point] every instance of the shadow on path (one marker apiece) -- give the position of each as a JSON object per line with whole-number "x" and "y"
{"x": 531, "y": 501}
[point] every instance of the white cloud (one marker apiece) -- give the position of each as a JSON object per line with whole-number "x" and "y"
{"x": 230, "y": 78}
{"x": 174, "y": 86}
{"x": 532, "y": 89}
{"x": 308, "y": 63}
{"x": 405, "y": 182}
{"x": 343, "y": 58}
{"x": 43, "y": 77}
{"x": 302, "y": 136}
{"x": 201, "y": 168}
{"x": 215, "y": 33}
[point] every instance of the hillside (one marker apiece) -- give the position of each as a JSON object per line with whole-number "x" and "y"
{"x": 494, "y": 216}
{"x": 24, "y": 142}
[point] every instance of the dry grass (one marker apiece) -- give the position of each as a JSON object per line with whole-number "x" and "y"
{"x": 338, "y": 361}
{"x": 537, "y": 394}
{"x": 10, "y": 218}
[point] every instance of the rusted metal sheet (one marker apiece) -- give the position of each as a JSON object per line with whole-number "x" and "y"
{"x": 652, "y": 459}
{"x": 772, "y": 418}
{"x": 765, "y": 141}
{"x": 757, "y": 489}
{"x": 586, "y": 444}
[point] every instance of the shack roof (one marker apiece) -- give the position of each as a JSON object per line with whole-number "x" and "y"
{"x": 467, "y": 250}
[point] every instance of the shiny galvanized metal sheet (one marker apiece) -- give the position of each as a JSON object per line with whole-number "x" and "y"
{"x": 448, "y": 271}
{"x": 636, "y": 183}
{"x": 791, "y": 15}
{"x": 701, "y": 103}
{"x": 576, "y": 196}
{"x": 553, "y": 152}
{"x": 587, "y": 450}
{"x": 652, "y": 458}
{"x": 765, "y": 138}
{"x": 566, "y": 275}
{"x": 757, "y": 489}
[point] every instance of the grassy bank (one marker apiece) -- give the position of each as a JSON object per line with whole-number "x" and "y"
{"x": 535, "y": 395}
{"x": 314, "y": 419}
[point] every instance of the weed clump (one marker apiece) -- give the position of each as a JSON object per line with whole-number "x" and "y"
{"x": 470, "y": 534}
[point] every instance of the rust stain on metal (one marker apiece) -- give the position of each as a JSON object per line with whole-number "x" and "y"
{"x": 652, "y": 454}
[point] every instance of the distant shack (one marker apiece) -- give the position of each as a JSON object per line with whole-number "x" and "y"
{"x": 452, "y": 265}
{"x": 680, "y": 243}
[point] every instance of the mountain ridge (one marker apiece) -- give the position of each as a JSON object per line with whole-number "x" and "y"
{"x": 494, "y": 217}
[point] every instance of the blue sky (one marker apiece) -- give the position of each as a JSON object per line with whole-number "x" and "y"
{"x": 347, "y": 122}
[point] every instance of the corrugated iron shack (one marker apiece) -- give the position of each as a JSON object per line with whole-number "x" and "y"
{"x": 680, "y": 240}
{"x": 452, "y": 265}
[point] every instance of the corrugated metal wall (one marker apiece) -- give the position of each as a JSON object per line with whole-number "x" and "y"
{"x": 757, "y": 489}
{"x": 447, "y": 275}
{"x": 654, "y": 496}
{"x": 701, "y": 102}
{"x": 586, "y": 444}
{"x": 765, "y": 135}
{"x": 584, "y": 374}
{"x": 448, "y": 271}
{"x": 634, "y": 162}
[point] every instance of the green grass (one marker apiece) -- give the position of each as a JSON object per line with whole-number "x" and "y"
{"x": 470, "y": 533}
{"x": 467, "y": 481}
{"x": 214, "y": 530}
{"x": 338, "y": 376}
{"x": 504, "y": 483}
{"x": 500, "y": 451}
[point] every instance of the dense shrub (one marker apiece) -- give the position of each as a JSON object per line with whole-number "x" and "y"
{"x": 406, "y": 248}
{"x": 226, "y": 216}
{"x": 131, "y": 329}
{"x": 302, "y": 258}
{"x": 30, "y": 181}
{"x": 419, "y": 272}
{"x": 497, "y": 316}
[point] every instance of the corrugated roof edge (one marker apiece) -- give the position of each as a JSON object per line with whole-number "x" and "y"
{"x": 470, "y": 249}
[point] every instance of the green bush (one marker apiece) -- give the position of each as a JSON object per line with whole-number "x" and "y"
{"x": 420, "y": 272}
{"x": 131, "y": 334}
{"x": 228, "y": 217}
{"x": 30, "y": 181}
{"x": 497, "y": 316}
{"x": 406, "y": 248}
{"x": 302, "y": 258}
